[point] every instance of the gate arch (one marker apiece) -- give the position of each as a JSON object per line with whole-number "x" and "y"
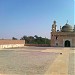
{"x": 67, "y": 43}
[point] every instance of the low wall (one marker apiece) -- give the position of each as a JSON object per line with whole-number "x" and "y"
{"x": 2, "y": 42}
{"x": 38, "y": 45}
{"x": 11, "y": 43}
{"x": 11, "y": 46}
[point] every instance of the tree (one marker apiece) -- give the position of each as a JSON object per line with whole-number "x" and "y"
{"x": 31, "y": 39}
{"x": 25, "y": 38}
{"x": 13, "y": 38}
{"x": 35, "y": 40}
{"x": 36, "y": 37}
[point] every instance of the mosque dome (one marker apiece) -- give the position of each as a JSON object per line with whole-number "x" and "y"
{"x": 67, "y": 28}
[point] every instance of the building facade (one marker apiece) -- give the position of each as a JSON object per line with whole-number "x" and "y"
{"x": 65, "y": 37}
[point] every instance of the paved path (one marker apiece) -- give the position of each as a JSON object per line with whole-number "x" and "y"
{"x": 64, "y": 64}
{"x": 72, "y": 62}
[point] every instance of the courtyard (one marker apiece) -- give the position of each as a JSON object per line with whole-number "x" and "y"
{"x": 37, "y": 61}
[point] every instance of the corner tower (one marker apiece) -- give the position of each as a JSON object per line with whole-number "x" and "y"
{"x": 54, "y": 26}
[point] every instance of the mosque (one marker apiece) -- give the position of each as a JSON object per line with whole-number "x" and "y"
{"x": 65, "y": 37}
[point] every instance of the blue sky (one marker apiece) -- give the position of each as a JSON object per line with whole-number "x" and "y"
{"x": 33, "y": 17}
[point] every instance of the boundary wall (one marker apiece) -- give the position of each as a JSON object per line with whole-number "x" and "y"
{"x": 11, "y": 43}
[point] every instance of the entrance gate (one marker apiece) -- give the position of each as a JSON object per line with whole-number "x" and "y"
{"x": 67, "y": 43}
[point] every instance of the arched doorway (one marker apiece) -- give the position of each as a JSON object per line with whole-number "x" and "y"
{"x": 67, "y": 43}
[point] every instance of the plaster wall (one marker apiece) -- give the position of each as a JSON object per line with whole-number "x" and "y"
{"x": 11, "y": 46}
{"x": 11, "y": 43}
{"x": 61, "y": 38}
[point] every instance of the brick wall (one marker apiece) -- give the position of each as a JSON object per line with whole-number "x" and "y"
{"x": 11, "y": 43}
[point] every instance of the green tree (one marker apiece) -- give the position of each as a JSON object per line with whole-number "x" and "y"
{"x": 35, "y": 40}
{"x": 25, "y": 38}
{"x": 13, "y": 38}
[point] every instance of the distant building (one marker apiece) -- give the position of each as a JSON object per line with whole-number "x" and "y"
{"x": 65, "y": 37}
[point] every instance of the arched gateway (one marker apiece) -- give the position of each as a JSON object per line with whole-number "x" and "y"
{"x": 67, "y": 43}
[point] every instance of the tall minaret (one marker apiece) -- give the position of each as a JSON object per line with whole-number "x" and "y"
{"x": 74, "y": 28}
{"x": 54, "y": 26}
{"x": 60, "y": 28}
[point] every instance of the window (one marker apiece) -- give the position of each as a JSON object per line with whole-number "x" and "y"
{"x": 56, "y": 37}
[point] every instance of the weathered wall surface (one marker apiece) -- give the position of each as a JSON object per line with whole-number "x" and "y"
{"x": 11, "y": 43}
{"x": 61, "y": 38}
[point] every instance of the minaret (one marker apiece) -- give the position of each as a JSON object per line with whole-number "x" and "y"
{"x": 74, "y": 28}
{"x": 54, "y": 26}
{"x": 60, "y": 28}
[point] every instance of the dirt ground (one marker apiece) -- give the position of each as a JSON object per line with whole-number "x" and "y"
{"x": 37, "y": 61}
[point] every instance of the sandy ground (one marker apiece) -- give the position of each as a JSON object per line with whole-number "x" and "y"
{"x": 37, "y": 61}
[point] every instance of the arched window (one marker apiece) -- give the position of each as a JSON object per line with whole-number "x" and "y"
{"x": 56, "y": 37}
